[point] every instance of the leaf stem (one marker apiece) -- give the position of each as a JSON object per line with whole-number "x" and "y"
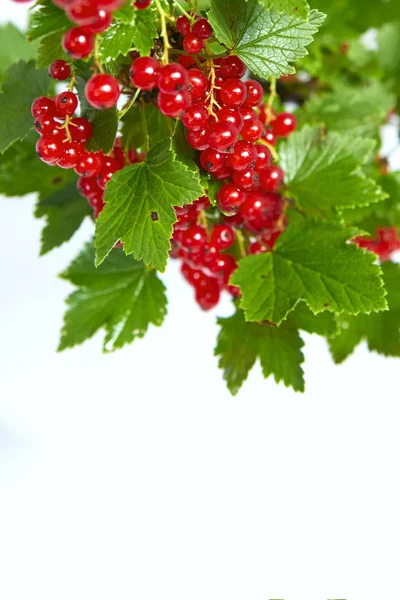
{"x": 183, "y": 11}
{"x": 164, "y": 33}
{"x": 129, "y": 105}
{"x": 241, "y": 243}
{"x": 272, "y": 96}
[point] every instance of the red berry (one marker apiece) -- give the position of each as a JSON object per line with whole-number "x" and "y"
{"x": 202, "y": 29}
{"x": 243, "y": 157}
{"x": 144, "y": 73}
{"x": 195, "y": 117}
{"x": 141, "y": 4}
{"x": 82, "y": 12}
{"x": 48, "y": 149}
{"x": 194, "y": 238}
{"x": 255, "y": 93}
{"x": 211, "y": 160}
{"x": 230, "y": 198}
{"x": 198, "y": 139}
{"x": 248, "y": 114}
{"x": 233, "y": 93}
{"x": 60, "y": 70}
{"x": 173, "y": 105}
{"x": 202, "y": 203}
{"x": 198, "y": 84}
{"x": 110, "y": 166}
{"x": 66, "y": 103}
{"x": 284, "y": 124}
{"x": 110, "y": 5}
{"x": 222, "y": 237}
{"x": 223, "y": 266}
{"x": 257, "y": 248}
{"x": 270, "y": 137}
{"x": 263, "y": 157}
{"x": 43, "y": 106}
{"x": 260, "y": 210}
{"x": 80, "y": 129}
{"x": 183, "y": 25}
{"x": 89, "y": 164}
{"x": 246, "y": 180}
{"x": 224, "y": 172}
{"x": 252, "y": 130}
{"x": 271, "y": 178}
{"x": 70, "y": 155}
{"x": 232, "y": 67}
{"x": 45, "y": 125}
{"x": 222, "y": 136}
{"x": 88, "y": 187}
{"x": 192, "y": 44}
{"x": 172, "y": 78}
{"x": 100, "y": 22}
{"x": 232, "y": 116}
{"x": 207, "y": 293}
{"x": 102, "y": 91}
{"x": 77, "y": 43}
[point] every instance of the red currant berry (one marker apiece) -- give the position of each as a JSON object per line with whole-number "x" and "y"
{"x": 183, "y": 25}
{"x": 271, "y": 178}
{"x": 80, "y": 129}
{"x": 82, "y": 12}
{"x": 248, "y": 114}
{"x": 45, "y": 125}
{"x": 252, "y": 130}
{"x": 230, "y": 198}
{"x": 211, "y": 160}
{"x": 48, "y": 149}
{"x": 243, "y": 157}
{"x": 172, "y": 78}
{"x": 144, "y": 73}
{"x": 224, "y": 172}
{"x": 102, "y": 91}
{"x": 232, "y": 116}
{"x": 246, "y": 180}
{"x": 70, "y": 155}
{"x": 173, "y": 105}
{"x": 43, "y": 106}
{"x": 222, "y": 136}
{"x": 77, "y": 43}
{"x": 88, "y": 187}
{"x": 255, "y": 93}
{"x": 194, "y": 238}
{"x": 60, "y": 70}
{"x": 232, "y": 67}
{"x": 263, "y": 157}
{"x": 195, "y": 117}
{"x": 100, "y": 22}
{"x": 110, "y": 166}
{"x": 198, "y": 139}
{"x": 284, "y": 124}
{"x": 222, "y": 237}
{"x": 186, "y": 61}
{"x": 198, "y": 85}
{"x": 202, "y": 29}
{"x": 260, "y": 210}
{"x": 66, "y": 103}
{"x": 141, "y": 4}
{"x": 223, "y": 266}
{"x": 89, "y": 164}
{"x": 202, "y": 203}
{"x": 257, "y": 248}
{"x": 233, "y": 93}
{"x": 110, "y": 5}
{"x": 208, "y": 294}
{"x": 193, "y": 44}
{"x": 270, "y": 137}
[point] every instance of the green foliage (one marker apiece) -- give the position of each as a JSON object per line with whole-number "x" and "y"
{"x": 13, "y": 47}
{"x": 46, "y": 18}
{"x": 105, "y": 122}
{"x": 122, "y": 296}
{"x": 144, "y": 125}
{"x": 131, "y": 30}
{"x": 267, "y": 41}
{"x": 298, "y": 8}
{"x": 311, "y": 262}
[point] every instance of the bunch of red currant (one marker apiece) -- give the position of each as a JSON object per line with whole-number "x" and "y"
{"x": 384, "y": 244}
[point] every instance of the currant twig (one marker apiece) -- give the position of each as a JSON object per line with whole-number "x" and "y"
{"x": 129, "y": 105}
{"x": 164, "y": 33}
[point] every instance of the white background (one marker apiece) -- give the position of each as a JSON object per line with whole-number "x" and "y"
{"x": 137, "y": 476}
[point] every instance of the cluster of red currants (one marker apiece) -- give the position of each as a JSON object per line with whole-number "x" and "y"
{"x": 385, "y": 243}
{"x": 63, "y": 137}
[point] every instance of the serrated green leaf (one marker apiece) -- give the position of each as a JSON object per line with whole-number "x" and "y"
{"x": 50, "y": 49}
{"x": 22, "y": 173}
{"x": 240, "y": 343}
{"x": 265, "y": 40}
{"x": 381, "y": 331}
{"x": 47, "y": 18}
{"x": 311, "y": 262}
{"x": 136, "y": 32}
{"x": 13, "y": 47}
{"x": 104, "y": 122}
{"x": 122, "y": 296}
{"x": 144, "y": 125}
{"x": 22, "y": 85}
{"x": 139, "y": 206}
{"x": 64, "y": 210}
{"x": 303, "y": 318}
{"x": 299, "y": 8}
{"x": 323, "y": 173}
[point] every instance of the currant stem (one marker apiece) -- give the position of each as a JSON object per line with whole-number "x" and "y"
{"x": 183, "y": 11}
{"x": 164, "y": 33}
{"x": 203, "y": 219}
{"x": 241, "y": 243}
{"x": 129, "y": 105}
{"x": 96, "y": 61}
{"x": 273, "y": 94}
{"x": 271, "y": 148}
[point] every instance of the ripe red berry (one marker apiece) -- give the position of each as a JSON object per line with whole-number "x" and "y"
{"x": 48, "y": 149}
{"x": 43, "y": 106}
{"x": 252, "y": 130}
{"x": 100, "y": 22}
{"x": 232, "y": 116}
{"x": 198, "y": 139}
{"x": 211, "y": 160}
{"x": 66, "y": 103}
{"x": 110, "y": 166}
{"x": 45, "y": 125}
{"x": 232, "y": 67}
{"x": 202, "y": 29}
{"x": 144, "y": 73}
{"x": 183, "y": 25}
{"x": 110, "y": 5}
{"x": 172, "y": 78}
{"x": 270, "y": 137}
{"x": 260, "y": 210}
{"x": 194, "y": 238}
{"x": 207, "y": 293}
{"x": 243, "y": 157}
{"x": 70, "y": 155}
{"x": 82, "y": 12}
{"x": 173, "y": 105}
{"x": 233, "y": 93}
{"x": 195, "y": 117}
{"x": 246, "y": 180}
{"x": 224, "y": 172}
{"x": 257, "y": 248}
{"x": 230, "y": 198}
{"x": 80, "y": 129}
{"x": 88, "y": 187}
{"x": 284, "y": 124}
{"x": 222, "y": 237}
{"x": 141, "y": 4}
{"x": 271, "y": 178}
{"x": 222, "y": 137}
{"x": 223, "y": 265}
{"x": 192, "y": 44}
{"x": 198, "y": 85}
{"x": 255, "y": 93}
{"x": 60, "y": 70}
{"x": 89, "y": 164}
{"x": 77, "y": 43}
{"x": 102, "y": 91}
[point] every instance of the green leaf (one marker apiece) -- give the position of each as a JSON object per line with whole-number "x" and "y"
{"x": 240, "y": 343}
{"x": 136, "y": 32}
{"x": 323, "y": 172}
{"x": 13, "y": 47}
{"x": 22, "y": 173}
{"x": 266, "y": 41}
{"x": 144, "y": 125}
{"x": 50, "y": 49}
{"x": 311, "y": 262}
{"x": 65, "y": 211}
{"x": 139, "y": 206}
{"x": 46, "y": 19}
{"x": 122, "y": 296}
{"x": 323, "y": 324}
{"x": 381, "y": 331}
{"x": 22, "y": 85}
{"x": 105, "y": 122}
{"x": 298, "y": 8}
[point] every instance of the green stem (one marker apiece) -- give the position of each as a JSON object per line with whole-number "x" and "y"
{"x": 241, "y": 243}
{"x": 129, "y": 105}
{"x": 164, "y": 32}
{"x": 183, "y": 11}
